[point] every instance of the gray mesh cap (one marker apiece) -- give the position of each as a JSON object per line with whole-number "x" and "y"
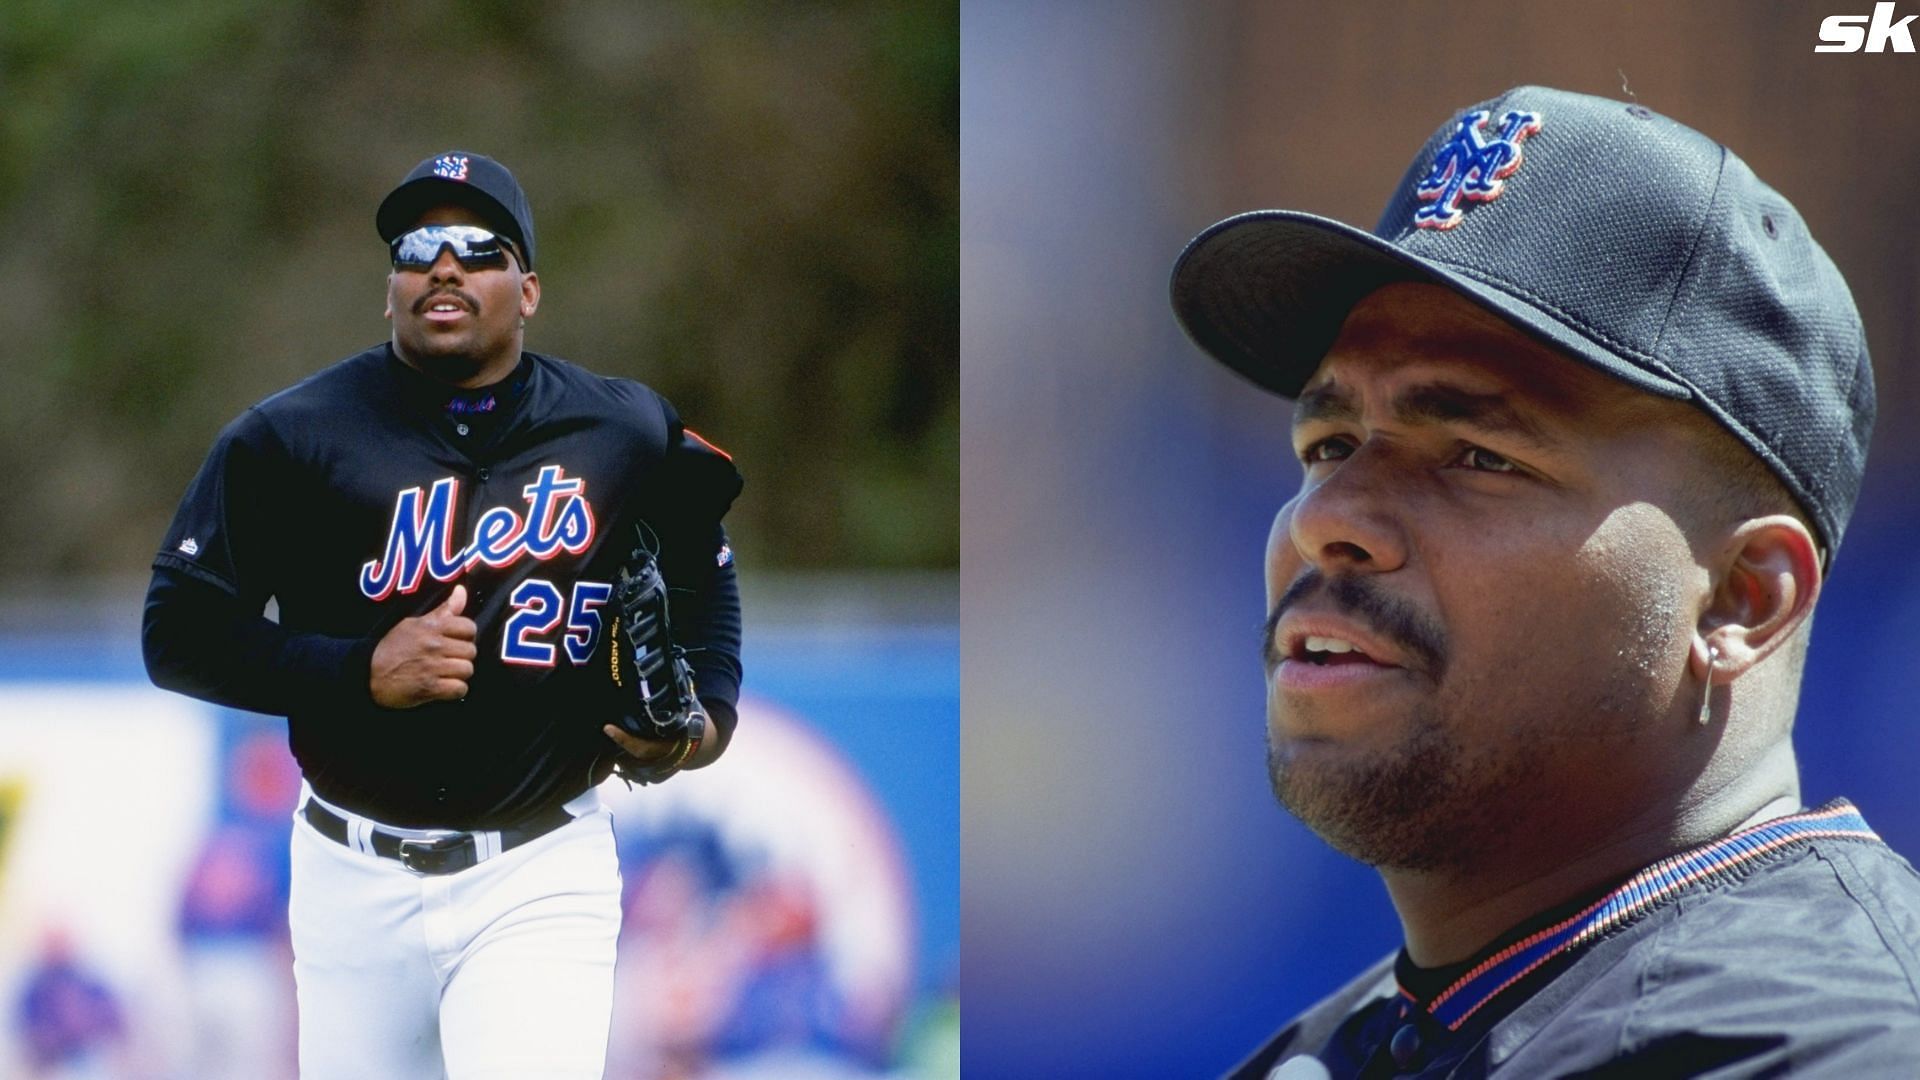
{"x": 1628, "y": 241}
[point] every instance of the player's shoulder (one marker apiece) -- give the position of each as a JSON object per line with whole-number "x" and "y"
{"x": 1839, "y": 921}
{"x": 346, "y": 384}
{"x": 1310, "y": 1030}
{"x": 566, "y": 391}
{"x": 589, "y": 388}
{"x": 308, "y": 406}
{"x": 1809, "y": 963}
{"x": 1851, "y": 897}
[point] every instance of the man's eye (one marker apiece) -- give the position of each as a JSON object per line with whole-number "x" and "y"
{"x": 1329, "y": 449}
{"x": 1480, "y": 459}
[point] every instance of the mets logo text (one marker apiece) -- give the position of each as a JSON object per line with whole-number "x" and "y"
{"x": 451, "y": 166}
{"x": 1469, "y": 168}
{"x": 420, "y": 541}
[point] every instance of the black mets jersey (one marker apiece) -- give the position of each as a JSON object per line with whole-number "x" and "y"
{"x": 1791, "y": 948}
{"x": 362, "y": 495}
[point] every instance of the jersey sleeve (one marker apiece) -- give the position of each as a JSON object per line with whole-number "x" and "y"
{"x": 710, "y": 632}
{"x": 701, "y": 479}
{"x": 200, "y": 640}
{"x": 222, "y": 533}
{"x": 203, "y": 633}
{"x": 696, "y": 485}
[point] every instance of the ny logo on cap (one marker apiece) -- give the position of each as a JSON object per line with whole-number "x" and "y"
{"x": 1468, "y": 167}
{"x": 451, "y": 166}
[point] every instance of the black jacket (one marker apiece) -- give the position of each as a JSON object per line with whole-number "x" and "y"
{"x": 1788, "y": 949}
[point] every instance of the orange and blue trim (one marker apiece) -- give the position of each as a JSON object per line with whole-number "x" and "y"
{"x": 702, "y": 440}
{"x": 1643, "y": 892}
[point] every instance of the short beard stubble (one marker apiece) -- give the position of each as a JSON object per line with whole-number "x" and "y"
{"x": 1432, "y": 801}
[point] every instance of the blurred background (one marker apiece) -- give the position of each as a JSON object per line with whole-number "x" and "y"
{"x": 1136, "y": 905}
{"x": 752, "y": 208}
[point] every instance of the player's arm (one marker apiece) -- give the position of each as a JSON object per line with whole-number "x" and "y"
{"x": 202, "y": 641}
{"x": 203, "y": 632}
{"x": 706, "y": 623}
{"x": 710, "y": 633}
{"x": 695, "y": 487}
{"x": 698, "y": 562}
{"x": 205, "y": 642}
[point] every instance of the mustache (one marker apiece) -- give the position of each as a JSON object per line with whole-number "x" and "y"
{"x": 420, "y": 306}
{"x": 1360, "y": 599}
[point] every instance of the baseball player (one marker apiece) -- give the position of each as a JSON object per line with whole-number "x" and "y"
{"x": 1582, "y": 422}
{"x": 447, "y": 523}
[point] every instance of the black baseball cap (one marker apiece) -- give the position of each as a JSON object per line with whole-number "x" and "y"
{"x": 474, "y": 181}
{"x": 1628, "y": 241}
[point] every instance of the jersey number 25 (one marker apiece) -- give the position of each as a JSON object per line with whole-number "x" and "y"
{"x": 537, "y": 609}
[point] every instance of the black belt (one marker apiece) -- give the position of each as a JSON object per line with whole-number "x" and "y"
{"x": 443, "y": 855}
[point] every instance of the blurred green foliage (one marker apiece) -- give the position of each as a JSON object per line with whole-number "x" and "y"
{"x": 754, "y": 208}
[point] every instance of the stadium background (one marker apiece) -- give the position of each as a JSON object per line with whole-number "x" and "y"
{"x": 752, "y": 208}
{"x": 1135, "y": 905}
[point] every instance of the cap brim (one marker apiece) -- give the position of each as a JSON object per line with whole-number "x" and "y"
{"x": 403, "y": 206}
{"x": 1266, "y": 293}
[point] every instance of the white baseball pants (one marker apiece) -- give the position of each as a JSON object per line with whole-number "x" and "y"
{"x": 504, "y": 969}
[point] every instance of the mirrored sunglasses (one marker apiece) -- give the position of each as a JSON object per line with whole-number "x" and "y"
{"x": 475, "y": 247}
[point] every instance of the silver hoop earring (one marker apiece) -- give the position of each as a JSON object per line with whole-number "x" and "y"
{"x": 1706, "y": 695}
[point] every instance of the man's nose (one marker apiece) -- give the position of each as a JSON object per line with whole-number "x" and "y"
{"x": 445, "y": 267}
{"x": 1352, "y": 519}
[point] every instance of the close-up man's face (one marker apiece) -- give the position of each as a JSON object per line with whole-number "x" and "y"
{"x": 451, "y": 316}
{"x": 1490, "y": 528}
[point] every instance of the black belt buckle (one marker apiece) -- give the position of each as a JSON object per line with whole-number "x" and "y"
{"x": 442, "y": 856}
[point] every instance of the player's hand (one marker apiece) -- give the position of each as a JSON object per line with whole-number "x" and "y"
{"x": 426, "y": 658}
{"x": 642, "y": 750}
{"x": 647, "y": 751}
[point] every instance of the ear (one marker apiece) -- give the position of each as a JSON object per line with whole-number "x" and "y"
{"x": 1769, "y": 581}
{"x": 388, "y": 313}
{"x": 529, "y": 294}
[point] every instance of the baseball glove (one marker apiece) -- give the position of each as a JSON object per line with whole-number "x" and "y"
{"x": 652, "y": 681}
